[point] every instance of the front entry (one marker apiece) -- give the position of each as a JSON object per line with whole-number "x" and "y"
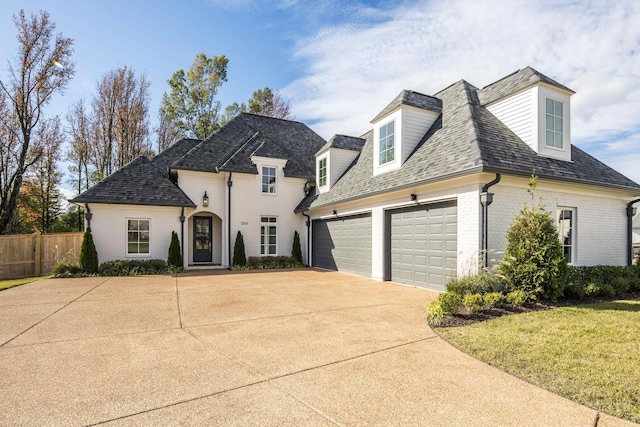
{"x": 202, "y": 237}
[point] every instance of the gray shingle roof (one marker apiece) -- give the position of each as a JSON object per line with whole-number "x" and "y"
{"x": 230, "y": 149}
{"x": 344, "y": 142}
{"x": 414, "y": 99}
{"x": 465, "y": 139}
{"x": 514, "y": 82}
{"x": 139, "y": 182}
{"x": 172, "y": 153}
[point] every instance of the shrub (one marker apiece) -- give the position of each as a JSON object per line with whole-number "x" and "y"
{"x": 600, "y": 290}
{"x": 133, "y": 267}
{"x": 174, "y": 259}
{"x": 476, "y": 284}
{"x": 272, "y": 262}
{"x": 634, "y": 284}
{"x": 620, "y": 284}
{"x": 534, "y": 262}
{"x": 66, "y": 269}
{"x": 473, "y": 302}
{"x": 517, "y": 297}
{"x": 574, "y": 290}
{"x": 239, "y": 256}
{"x": 434, "y": 313}
{"x": 494, "y": 299}
{"x": 88, "y": 259}
{"x": 450, "y": 302}
{"x": 296, "y": 251}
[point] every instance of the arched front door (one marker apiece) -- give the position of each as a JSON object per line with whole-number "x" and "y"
{"x": 202, "y": 238}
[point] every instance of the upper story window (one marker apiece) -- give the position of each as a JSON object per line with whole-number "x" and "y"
{"x": 269, "y": 180}
{"x": 138, "y": 236}
{"x": 553, "y": 123}
{"x": 387, "y": 146}
{"x": 567, "y": 232}
{"x": 322, "y": 172}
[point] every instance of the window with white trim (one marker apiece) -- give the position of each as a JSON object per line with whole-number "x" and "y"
{"x": 138, "y": 236}
{"x": 268, "y": 235}
{"x": 387, "y": 143}
{"x": 567, "y": 232}
{"x": 322, "y": 172}
{"x": 554, "y": 124}
{"x": 269, "y": 180}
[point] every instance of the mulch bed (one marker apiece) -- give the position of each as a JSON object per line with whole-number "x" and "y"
{"x": 465, "y": 317}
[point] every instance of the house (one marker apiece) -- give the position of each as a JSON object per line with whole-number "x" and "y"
{"x": 249, "y": 176}
{"x": 426, "y": 194}
{"x": 430, "y": 191}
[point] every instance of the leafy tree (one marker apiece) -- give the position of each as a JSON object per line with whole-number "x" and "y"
{"x": 232, "y": 111}
{"x": 296, "y": 251}
{"x": 175, "y": 256}
{"x": 88, "y": 259}
{"x": 266, "y": 102}
{"x": 167, "y": 131}
{"x": 42, "y": 68}
{"x": 239, "y": 257}
{"x": 191, "y": 103}
{"x": 534, "y": 261}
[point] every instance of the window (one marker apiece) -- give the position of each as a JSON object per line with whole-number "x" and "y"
{"x": 567, "y": 232}
{"x": 553, "y": 123}
{"x": 268, "y": 235}
{"x": 387, "y": 143}
{"x": 137, "y": 237}
{"x": 269, "y": 180}
{"x": 322, "y": 172}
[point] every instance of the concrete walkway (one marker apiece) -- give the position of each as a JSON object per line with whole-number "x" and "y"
{"x": 275, "y": 348}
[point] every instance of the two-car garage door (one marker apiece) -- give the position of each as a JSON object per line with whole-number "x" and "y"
{"x": 420, "y": 247}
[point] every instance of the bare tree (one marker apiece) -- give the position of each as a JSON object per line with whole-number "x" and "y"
{"x": 167, "y": 131}
{"x": 42, "y": 68}
{"x": 79, "y": 133}
{"x": 46, "y": 175}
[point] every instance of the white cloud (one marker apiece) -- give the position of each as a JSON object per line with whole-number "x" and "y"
{"x": 353, "y": 70}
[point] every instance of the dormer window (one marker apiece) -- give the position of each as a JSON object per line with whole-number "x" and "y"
{"x": 269, "y": 180}
{"x": 322, "y": 172}
{"x": 387, "y": 143}
{"x": 554, "y": 124}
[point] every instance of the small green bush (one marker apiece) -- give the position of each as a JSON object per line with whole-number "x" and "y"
{"x": 88, "y": 259}
{"x": 476, "y": 284}
{"x": 272, "y": 262}
{"x": 66, "y": 269}
{"x": 634, "y": 284}
{"x": 574, "y": 290}
{"x": 473, "y": 302}
{"x": 296, "y": 251}
{"x": 494, "y": 299}
{"x": 174, "y": 258}
{"x": 450, "y": 302}
{"x": 133, "y": 267}
{"x": 600, "y": 290}
{"x": 434, "y": 313}
{"x": 620, "y": 284}
{"x": 517, "y": 297}
{"x": 239, "y": 256}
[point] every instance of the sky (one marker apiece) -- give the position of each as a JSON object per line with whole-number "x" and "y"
{"x": 340, "y": 63}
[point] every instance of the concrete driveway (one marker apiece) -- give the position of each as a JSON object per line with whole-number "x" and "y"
{"x": 302, "y": 347}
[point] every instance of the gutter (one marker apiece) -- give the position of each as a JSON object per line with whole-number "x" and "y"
{"x": 630, "y": 209}
{"x": 308, "y": 238}
{"x": 87, "y": 215}
{"x": 229, "y": 185}
{"x": 182, "y": 218}
{"x": 486, "y": 199}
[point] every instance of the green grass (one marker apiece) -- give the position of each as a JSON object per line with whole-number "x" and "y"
{"x": 6, "y": 284}
{"x": 589, "y": 353}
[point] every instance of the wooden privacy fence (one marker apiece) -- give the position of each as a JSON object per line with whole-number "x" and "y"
{"x": 30, "y": 255}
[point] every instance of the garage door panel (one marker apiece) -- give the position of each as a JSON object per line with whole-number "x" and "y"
{"x": 423, "y": 245}
{"x": 343, "y": 244}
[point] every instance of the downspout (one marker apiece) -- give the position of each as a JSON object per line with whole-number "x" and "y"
{"x": 630, "y": 209}
{"x": 87, "y": 214}
{"x": 486, "y": 199}
{"x": 308, "y": 238}
{"x": 182, "y": 218}
{"x": 229, "y": 184}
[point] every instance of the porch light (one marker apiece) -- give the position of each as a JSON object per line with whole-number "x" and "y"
{"x": 335, "y": 212}
{"x": 205, "y": 200}
{"x": 414, "y": 197}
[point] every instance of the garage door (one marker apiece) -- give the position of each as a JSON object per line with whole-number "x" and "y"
{"x": 423, "y": 245}
{"x": 343, "y": 244}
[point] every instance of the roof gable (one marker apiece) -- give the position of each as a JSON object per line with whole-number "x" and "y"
{"x": 139, "y": 182}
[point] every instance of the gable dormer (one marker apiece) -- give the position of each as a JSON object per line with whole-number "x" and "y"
{"x": 334, "y": 158}
{"x": 398, "y": 128}
{"x": 536, "y": 108}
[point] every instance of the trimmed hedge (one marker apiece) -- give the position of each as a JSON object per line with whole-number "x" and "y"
{"x": 269, "y": 262}
{"x": 132, "y": 267}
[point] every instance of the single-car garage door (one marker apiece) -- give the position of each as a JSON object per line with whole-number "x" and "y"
{"x": 343, "y": 244}
{"x": 423, "y": 244}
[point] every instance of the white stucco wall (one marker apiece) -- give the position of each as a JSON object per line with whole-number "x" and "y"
{"x": 601, "y": 223}
{"x": 109, "y": 229}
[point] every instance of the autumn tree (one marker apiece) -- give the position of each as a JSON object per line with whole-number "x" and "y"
{"x": 191, "y": 102}
{"x": 267, "y": 102}
{"x": 167, "y": 131}
{"x": 41, "y": 69}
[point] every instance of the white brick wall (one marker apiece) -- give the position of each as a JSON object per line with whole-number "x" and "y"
{"x": 600, "y": 218}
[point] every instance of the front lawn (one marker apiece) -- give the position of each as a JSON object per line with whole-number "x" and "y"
{"x": 588, "y": 353}
{"x": 6, "y": 284}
